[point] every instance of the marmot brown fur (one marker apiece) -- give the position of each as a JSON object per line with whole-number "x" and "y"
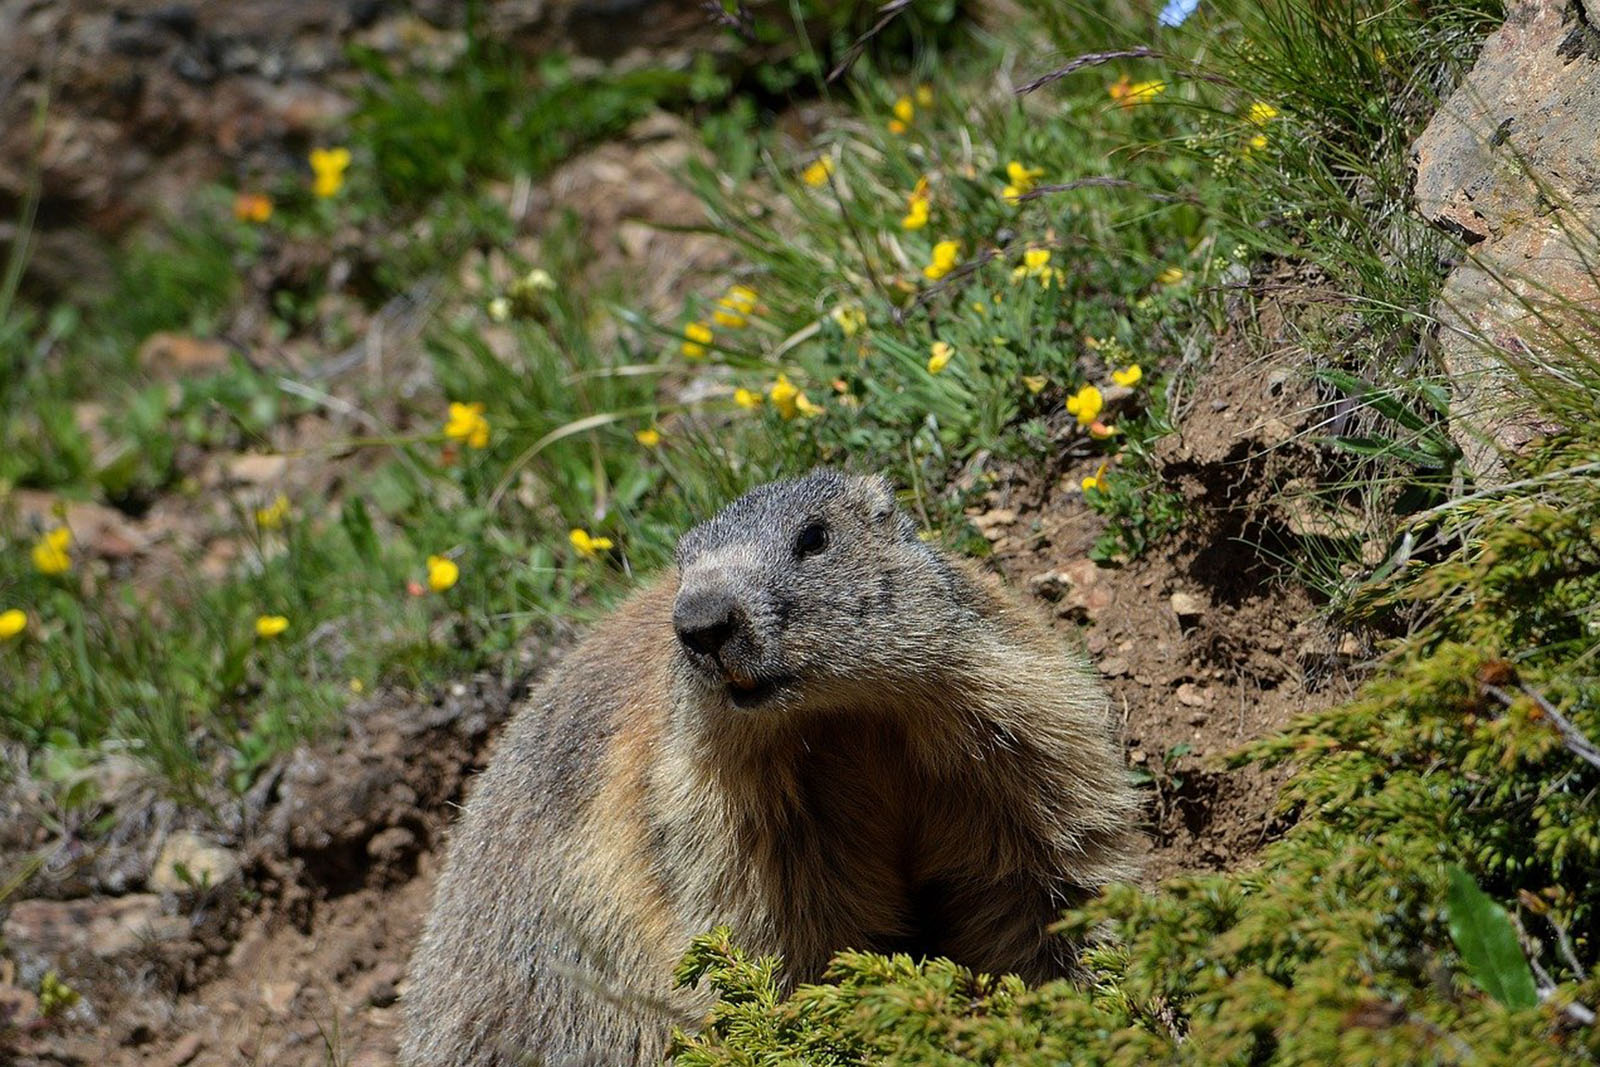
{"x": 819, "y": 731}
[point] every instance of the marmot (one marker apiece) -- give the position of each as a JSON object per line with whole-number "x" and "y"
{"x": 819, "y": 731}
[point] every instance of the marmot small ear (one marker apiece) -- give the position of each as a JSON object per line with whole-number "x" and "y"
{"x": 879, "y": 497}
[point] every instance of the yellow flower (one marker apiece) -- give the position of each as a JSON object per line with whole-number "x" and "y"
{"x": 696, "y": 336}
{"x": 852, "y": 319}
{"x": 924, "y": 95}
{"x": 1170, "y": 276}
{"x": 941, "y": 351}
{"x": 271, "y": 625}
{"x": 1261, "y": 113}
{"x": 466, "y": 423}
{"x": 499, "y": 309}
{"x": 916, "y": 216}
{"x": 1035, "y": 263}
{"x": 1258, "y": 142}
{"x": 1100, "y": 431}
{"x": 737, "y": 303}
{"x": 589, "y": 547}
{"x": 817, "y": 173}
{"x": 904, "y": 110}
{"x": 271, "y": 517}
{"x": 1098, "y": 482}
{"x": 789, "y": 401}
{"x": 945, "y": 256}
{"x": 747, "y": 399}
{"x": 1129, "y": 93}
{"x": 896, "y": 126}
{"x": 328, "y": 164}
{"x": 1034, "y": 383}
{"x": 650, "y": 437}
{"x": 1021, "y": 181}
{"x": 442, "y": 573}
{"x": 252, "y": 207}
{"x": 1128, "y": 375}
{"x": 50, "y": 552}
{"x": 12, "y": 623}
{"x": 1086, "y": 405}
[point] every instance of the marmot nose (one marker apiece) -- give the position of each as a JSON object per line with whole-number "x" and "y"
{"x": 705, "y": 621}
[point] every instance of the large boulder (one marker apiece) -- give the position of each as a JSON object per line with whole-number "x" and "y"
{"x": 1510, "y": 165}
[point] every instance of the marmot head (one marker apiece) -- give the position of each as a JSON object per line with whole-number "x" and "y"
{"x": 801, "y": 591}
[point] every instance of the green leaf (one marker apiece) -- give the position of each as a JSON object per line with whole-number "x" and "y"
{"x": 1488, "y": 944}
{"x": 358, "y": 527}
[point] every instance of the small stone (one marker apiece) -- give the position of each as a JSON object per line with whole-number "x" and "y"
{"x": 1350, "y": 646}
{"x": 187, "y": 1048}
{"x": 1096, "y": 643}
{"x": 257, "y": 469}
{"x": 1186, "y": 606}
{"x": 278, "y": 997}
{"x": 1193, "y": 696}
{"x": 391, "y": 845}
{"x": 189, "y": 863}
{"x": 1049, "y": 585}
{"x": 990, "y": 523}
{"x": 1277, "y": 381}
{"x": 382, "y": 987}
{"x": 1138, "y": 755}
{"x": 1114, "y": 667}
{"x": 19, "y": 1009}
{"x": 1199, "y": 718}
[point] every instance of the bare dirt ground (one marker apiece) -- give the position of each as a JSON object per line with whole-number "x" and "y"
{"x": 300, "y": 959}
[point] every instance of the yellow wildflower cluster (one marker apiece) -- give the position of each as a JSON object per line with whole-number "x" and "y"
{"x": 1131, "y": 93}
{"x": 788, "y": 401}
{"x": 1097, "y": 482}
{"x": 1170, "y": 276}
{"x": 748, "y": 399}
{"x": 1128, "y": 376}
{"x": 649, "y": 437}
{"x": 443, "y": 572}
{"x": 50, "y": 553}
{"x": 327, "y": 167}
{"x": 1086, "y": 404}
{"x": 851, "y": 318}
{"x": 904, "y": 111}
{"x": 1259, "y": 115}
{"x": 696, "y": 336}
{"x": 818, "y": 171}
{"x": 940, "y": 354}
{"x": 12, "y": 622}
{"x": 946, "y": 254}
{"x": 917, "y": 204}
{"x": 1020, "y": 181}
{"x": 274, "y": 514}
{"x": 587, "y": 546}
{"x": 270, "y": 626}
{"x": 466, "y": 423}
{"x": 1036, "y": 264}
{"x": 734, "y": 307}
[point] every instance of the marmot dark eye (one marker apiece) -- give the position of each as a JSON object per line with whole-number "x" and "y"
{"x": 813, "y": 539}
